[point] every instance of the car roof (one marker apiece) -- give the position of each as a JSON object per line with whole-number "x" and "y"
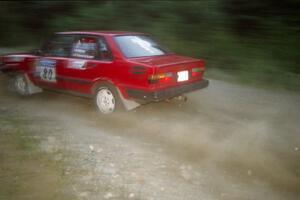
{"x": 110, "y": 33}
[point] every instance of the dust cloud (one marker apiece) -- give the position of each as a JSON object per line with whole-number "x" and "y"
{"x": 227, "y": 142}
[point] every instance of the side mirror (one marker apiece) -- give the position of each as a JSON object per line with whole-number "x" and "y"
{"x": 37, "y": 52}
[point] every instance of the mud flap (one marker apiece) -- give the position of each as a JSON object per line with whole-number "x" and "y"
{"x": 32, "y": 89}
{"x": 128, "y": 104}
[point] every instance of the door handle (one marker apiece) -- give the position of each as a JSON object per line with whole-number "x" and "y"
{"x": 90, "y": 65}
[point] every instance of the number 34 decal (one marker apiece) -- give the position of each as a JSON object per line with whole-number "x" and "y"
{"x": 46, "y": 70}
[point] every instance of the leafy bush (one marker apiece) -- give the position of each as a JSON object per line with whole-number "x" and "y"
{"x": 256, "y": 37}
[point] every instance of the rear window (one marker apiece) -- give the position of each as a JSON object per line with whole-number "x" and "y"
{"x": 139, "y": 46}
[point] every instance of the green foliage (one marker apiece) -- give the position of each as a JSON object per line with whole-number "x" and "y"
{"x": 257, "y": 36}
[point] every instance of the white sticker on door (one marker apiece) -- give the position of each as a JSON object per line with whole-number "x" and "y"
{"x": 77, "y": 64}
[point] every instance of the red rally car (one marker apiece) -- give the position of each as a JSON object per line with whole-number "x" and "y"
{"x": 117, "y": 69}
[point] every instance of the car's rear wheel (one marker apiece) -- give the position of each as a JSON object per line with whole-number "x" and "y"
{"x": 20, "y": 84}
{"x": 107, "y": 99}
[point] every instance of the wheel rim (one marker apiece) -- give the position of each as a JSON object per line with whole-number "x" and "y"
{"x": 105, "y": 101}
{"x": 20, "y": 84}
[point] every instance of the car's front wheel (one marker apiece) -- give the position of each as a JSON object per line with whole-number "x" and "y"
{"x": 107, "y": 99}
{"x": 20, "y": 84}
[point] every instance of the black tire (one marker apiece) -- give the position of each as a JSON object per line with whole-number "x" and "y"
{"x": 20, "y": 84}
{"x": 107, "y": 99}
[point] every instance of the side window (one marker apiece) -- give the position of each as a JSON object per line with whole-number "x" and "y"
{"x": 85, "y": 47}
{"x": 59, "y": 46}
{"x": 91, "y": 48}
{"x": 105, "y": 53}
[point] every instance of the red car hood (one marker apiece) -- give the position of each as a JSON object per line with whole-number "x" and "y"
{"x": 165, "y": 60}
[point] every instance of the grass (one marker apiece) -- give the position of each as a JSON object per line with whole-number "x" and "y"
{"x": 29, "y": 171}
{"x": 26, "y": 171}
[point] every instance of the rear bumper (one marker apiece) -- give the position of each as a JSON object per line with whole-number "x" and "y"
{"x": 166, "y": 93}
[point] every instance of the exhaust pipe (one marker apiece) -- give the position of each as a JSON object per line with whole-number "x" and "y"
{"x": 181, "y": 98}
{"x": 178, "y": 98}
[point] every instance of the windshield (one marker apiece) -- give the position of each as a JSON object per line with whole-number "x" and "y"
{"x": 139, "y": 46}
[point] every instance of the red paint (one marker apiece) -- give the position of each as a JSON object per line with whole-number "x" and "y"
{"x": 118, "y": 71}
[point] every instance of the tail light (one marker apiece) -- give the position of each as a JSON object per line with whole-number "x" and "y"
{"x": 160, "y": 78}
{"x": 197, "y": 71}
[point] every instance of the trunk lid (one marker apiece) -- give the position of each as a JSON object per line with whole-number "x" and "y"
{"x": 179, "y": 70}
{"x": 165, "y": 60}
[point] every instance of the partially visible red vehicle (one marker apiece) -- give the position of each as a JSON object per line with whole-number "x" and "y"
{"x": 117, "y": 69}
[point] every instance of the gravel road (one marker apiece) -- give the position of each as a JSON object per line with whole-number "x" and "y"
{"x": 228, "y": 142}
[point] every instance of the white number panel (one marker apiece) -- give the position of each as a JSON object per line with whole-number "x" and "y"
{"x": 46, "y": 70}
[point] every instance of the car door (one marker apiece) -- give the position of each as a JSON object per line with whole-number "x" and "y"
{"x": 52, "y": 61}
{"x": 90, "y": 59}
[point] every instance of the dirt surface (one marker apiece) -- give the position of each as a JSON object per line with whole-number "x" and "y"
{"x": 227, "y": 142}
